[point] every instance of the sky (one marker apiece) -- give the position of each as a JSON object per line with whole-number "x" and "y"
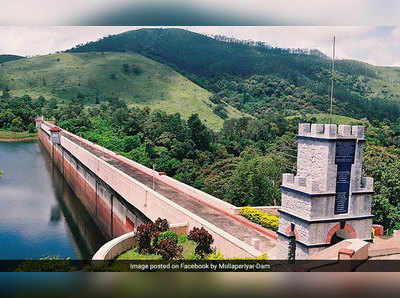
{"x": 205, "y": 12}
{"x": 377, "y": 45}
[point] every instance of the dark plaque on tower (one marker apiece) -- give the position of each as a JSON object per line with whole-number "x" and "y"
{"x": 345, "y": 151}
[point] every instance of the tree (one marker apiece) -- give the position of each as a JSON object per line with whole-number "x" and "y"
{"x": 220, "y": 111}
{"x": 199, "y": 133}
{"x": 217, "y": 178}
{"x": 40, "y": 101}
{"x": 52, "y": 104}
{"x": 384, "y": 166}
{"x": 256, "y": 180}
{"x": 6, "y": 117}
{"x": 125, "y": 67}
{"x": 385, "y": 213}
{"x": 17, "y": 125}
{"x": 130, "y": 143}
{"x": 6, "y": 93}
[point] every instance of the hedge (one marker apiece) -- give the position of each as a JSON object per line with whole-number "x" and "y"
{"x": 261, "y": 218}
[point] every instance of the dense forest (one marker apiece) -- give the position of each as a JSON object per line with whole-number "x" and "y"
{"x": 242, "y": 164}
{"x": 243, "y": 161}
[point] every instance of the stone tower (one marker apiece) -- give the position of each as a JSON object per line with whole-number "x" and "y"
{"x": 328, "y": 199}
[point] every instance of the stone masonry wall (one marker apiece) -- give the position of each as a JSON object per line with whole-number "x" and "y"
{"x": 310, "y": 194}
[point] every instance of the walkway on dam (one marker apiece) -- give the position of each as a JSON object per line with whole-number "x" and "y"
{"x": 228, "y": 224}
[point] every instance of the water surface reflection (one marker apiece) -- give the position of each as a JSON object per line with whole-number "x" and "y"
{"x": 39, "y": 214}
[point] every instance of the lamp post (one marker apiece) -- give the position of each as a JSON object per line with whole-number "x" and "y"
{"x": 154, "y": 169}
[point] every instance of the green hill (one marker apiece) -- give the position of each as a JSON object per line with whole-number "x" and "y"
{"x": 214, "y": 78}
{"x": 261, "y": 80}
{"x": 93, "y": 77}
{"x": 6, "y": 58}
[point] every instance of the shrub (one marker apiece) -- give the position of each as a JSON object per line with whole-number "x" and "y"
{"x": 182, "y": 238}
{"x": 125, "y": 67}
{"x": 262, "y": 257}
{"x": 261, "y": 218}
{"x": 216, "y": 256}
{"x": 143, "y": 237}
{"x": 147, "y": 234}
{"x": 136, "y": 69}
{"x": 167, "y": 234}
{"x": 219, "y": 256}
{"x": 203, "y": 240}
{"x": 169, "y": 249}
{"x": 161, "y": 225}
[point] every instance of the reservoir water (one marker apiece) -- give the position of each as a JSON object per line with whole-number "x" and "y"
{"x": 39, "y": 214}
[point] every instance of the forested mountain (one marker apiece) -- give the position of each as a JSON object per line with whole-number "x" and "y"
{"x": 264, "y": 80}
{"x": 93, "y": 78}
{"x": 6, "y": 58}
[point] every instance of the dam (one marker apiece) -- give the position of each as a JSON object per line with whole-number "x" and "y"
{"x": 120, "y": 194}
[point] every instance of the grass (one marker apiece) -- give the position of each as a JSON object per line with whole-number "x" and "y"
{"x": 187, "y": 253}
{"x": 11, "y": 135}
{"x": 134, "y": 255}
{"x": 64, "y": 76}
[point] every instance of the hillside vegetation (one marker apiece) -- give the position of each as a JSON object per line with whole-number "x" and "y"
{"x": 95, "y": 77}
{"x": 6, "y": 58}
{"x": 262, "y": 80}
{"x": 337, "y": 119}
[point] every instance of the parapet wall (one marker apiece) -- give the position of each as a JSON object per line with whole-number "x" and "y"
{"x": 331, "y": 131}
{"x": 316, "y": 164}
{"x": 308, "y": 186}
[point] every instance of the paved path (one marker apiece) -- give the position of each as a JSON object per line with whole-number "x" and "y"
{"x": 222, "y": 221}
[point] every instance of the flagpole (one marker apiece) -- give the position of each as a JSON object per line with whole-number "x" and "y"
{"x": 332, "y": 79}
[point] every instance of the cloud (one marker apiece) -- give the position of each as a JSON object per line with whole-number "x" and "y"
{"x": 375, "y": 45}
{"x": 396, "y": 35}
{"x": 39, "y": 40}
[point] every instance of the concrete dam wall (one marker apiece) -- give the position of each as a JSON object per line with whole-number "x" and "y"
{"x": 118, "y": 193}
{"x": 112, "y": 214}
